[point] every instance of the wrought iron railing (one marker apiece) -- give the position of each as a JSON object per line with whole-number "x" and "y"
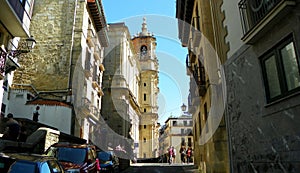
{"x": 253, "y": 11}
{"x": 3, "y": 55}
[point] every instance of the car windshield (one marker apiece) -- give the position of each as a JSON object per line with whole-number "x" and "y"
{"x": 73, "y": 155}
{"x": 104, "y": 156}
{"x": 18, "y": 167}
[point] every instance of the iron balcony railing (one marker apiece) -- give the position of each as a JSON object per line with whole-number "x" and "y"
{"x": 3, "y": 55}
{"x": 253, "y": 11}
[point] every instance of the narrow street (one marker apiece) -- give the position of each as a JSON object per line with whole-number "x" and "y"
{"x": 160, "y": 168}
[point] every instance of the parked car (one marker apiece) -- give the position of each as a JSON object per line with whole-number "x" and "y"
{"x": 109, "y": 162}
{"x": 75, "y": 158}
{"x": 29, "y": 163}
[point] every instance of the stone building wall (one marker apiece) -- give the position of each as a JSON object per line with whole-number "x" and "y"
{"x": 263, "y": 137}
{"x": 49, "y": 61}
{"x": 52, "y": 27}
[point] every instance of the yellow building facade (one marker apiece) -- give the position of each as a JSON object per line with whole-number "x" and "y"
{"x": 202, "y": 32}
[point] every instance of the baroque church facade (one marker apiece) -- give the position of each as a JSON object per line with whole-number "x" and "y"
{"x": 130, "y": 91}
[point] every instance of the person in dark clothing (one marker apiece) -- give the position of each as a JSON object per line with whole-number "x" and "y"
{"x": 36, "y": 114}
{"x": 182, "y": 154}
{"x": 12, "y": 130}
{"x": 23, "y": 133}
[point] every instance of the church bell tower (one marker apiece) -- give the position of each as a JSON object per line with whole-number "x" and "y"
{"x": 145, "y": 46}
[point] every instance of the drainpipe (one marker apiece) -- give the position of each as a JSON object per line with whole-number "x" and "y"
{"x": 72, "y": 47}
{"x": 71, "y": 68}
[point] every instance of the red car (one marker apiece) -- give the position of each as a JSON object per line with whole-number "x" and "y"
{"x": 75, "y": 158}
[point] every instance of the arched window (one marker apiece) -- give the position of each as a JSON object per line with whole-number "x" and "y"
{"x": 143, "y": 51}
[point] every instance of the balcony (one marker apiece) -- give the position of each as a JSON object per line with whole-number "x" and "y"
{"x": 258, "y": 16}
{"x": 85, "y": 106}
{"x": 184, "y": 11}
{"x": 97, "y": 13}
{"x": 16, "y": 15}
{"x": 2, "y": 63}
{"x": 89, "y": 39}
{"x": 95, "y": 85}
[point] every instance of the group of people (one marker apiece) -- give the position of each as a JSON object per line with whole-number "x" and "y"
{"x": 185, "y": 154}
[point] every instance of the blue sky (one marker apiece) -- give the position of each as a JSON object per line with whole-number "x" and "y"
{"x": 160, "y": 17}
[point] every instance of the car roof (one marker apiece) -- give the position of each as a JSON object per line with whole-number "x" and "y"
{"x": 27, "y": 156}
{"x": 72, "y": 145}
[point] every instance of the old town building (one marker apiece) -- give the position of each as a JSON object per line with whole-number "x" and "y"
{"x": 263, "y": 85}
{"x": 63, "y": 75}
{"x": 15, "y": 23}
{"x": 259, "y": 50}
{"x": 201, "y": 31}
{"x": 177, "y": 132}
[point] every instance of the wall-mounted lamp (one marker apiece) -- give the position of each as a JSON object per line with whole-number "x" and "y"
{"x": 25, "y": 46}
{"x": 7, "y": 62}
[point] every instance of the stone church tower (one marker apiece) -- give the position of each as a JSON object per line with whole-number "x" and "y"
{"x": 145, "y": 47}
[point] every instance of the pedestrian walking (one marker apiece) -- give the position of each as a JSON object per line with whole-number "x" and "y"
{"x": 174, "y": 154}
{"x": 12, "y": 129}
{"x": 35, "y": 116}
{"x": 189, "y": 155}
{"x": 171, "y": 152}
{"x": 182, "y": 152}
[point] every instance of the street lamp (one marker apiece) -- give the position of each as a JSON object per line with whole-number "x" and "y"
{"x": 183, "y": 107}
{"x": 23, "y": 47}
{"x": 7, "y": 62}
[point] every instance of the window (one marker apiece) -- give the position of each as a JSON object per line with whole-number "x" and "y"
{"x": 185, "y": 123}
{"x": 21, "y": 166}
{"x": 145, "y": 84}
{"x": 145, "y": 97}
{"x": 3, "y": 108}
{"x": 143, "y": 51}
{"x": 182, "y": 141}
{"x": 45, "y": 168}
{"x": 54, "y": 166}
{"x": 174, "y": 123}
{"x": 182, "y": 131}
{"x": 280, "y": 69}
{"x": 189, "y": 132}
{"x": 145, "y": 110}
{"x": 199, "y": 122}
{"x": 145, "y": 126}
{"x": 189, "y": 142}
{"x": 205, "y": 117}
{"x": 145, "y": 140}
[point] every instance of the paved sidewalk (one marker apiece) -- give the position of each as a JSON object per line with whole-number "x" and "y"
{"x": 161, "y": 168}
